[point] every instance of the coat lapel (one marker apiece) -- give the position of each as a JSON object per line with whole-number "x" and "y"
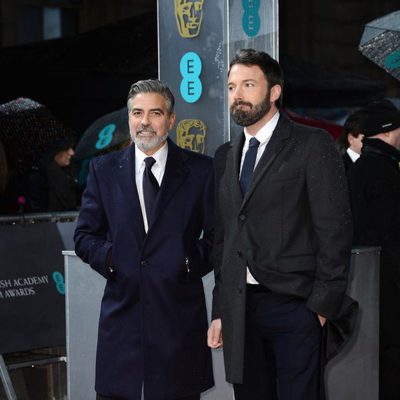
{"x": 276, "y": 144}
{"x": 233, "y": 167}
{"x": 124, "y": 172}
{"x": 175, "y": 174}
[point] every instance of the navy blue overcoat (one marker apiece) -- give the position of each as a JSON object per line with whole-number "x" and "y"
{"x": 153, "y": 322}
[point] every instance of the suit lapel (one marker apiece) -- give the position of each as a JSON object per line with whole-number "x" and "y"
{"x": 276, "y": 144}
{"x": 175, "y": 174}
{"x": 234, "y": 157}
{"x": 124, "y": 172}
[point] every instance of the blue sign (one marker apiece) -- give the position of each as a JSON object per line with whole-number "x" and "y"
{"x": 190, "y": 67}
{"x": 58, "y": 278}
{"x": 105, "y": 136}
{"x": 251, "y": 19}
{"x": 392, "y": 61}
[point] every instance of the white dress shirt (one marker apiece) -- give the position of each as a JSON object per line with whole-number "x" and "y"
{"x": 157, "y": 169}
{"x": 352, "y": 154}
{"x": 263, "y": 136}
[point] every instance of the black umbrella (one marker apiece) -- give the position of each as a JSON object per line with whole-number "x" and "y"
{"x": 106, "y": 133}
{"x": 29, "y": 131}
{"x": 380, "y": 43}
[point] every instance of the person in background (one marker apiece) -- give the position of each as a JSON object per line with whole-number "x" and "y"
{"x": 62, "y": 187}
{"x": 374, "y": 182}
{"x": 351, "y": 139}
{"x": 52, "y": 186}
{"x": 13, "y": 188}
{"x": 146, "y": 224}
{"x": 282, "y": 242}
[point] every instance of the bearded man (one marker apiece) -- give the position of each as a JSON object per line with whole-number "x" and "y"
{"x": 146, "y": 225}
{"x": 282, "y": 243}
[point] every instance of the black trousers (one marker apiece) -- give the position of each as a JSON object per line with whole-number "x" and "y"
{"x": 193, "y": 397}
{"x": 284, "y": 349}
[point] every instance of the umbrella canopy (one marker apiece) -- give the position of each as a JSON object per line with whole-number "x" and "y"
{"x": 107, "y": 132}
{"x": 380, "y": 43}
{"x": 29, "y": 131}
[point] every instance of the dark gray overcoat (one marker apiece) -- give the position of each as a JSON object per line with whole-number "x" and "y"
{"x": 293, "y": 229}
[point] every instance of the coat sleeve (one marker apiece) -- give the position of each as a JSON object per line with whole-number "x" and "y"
{"x": 200, "y": 258}
{"x": 91, "y": 235}
{"x": 332, "y": 224}
{"x": 218, "y": 248}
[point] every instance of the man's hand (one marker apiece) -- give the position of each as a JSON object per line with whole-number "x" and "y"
{"x": 322, "y": 320}
{"x": 214, "y": 334}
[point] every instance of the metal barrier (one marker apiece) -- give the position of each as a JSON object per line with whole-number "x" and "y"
{"x": 33, "y": 218}
{"x": 32, "y": 301}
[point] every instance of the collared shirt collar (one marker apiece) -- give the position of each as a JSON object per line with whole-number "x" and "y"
{"x": 160, "y": 156}
{"x": 352, "y": 154}
{"x": 265, "y": 133}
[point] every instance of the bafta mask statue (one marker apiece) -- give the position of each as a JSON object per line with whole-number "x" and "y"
{"x": 189, "y": 14}
{"x": 191, "y": 134}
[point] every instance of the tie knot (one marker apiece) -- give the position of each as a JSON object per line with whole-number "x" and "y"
{"x": 254, "y": 142}
{"x": 149, "y": 161}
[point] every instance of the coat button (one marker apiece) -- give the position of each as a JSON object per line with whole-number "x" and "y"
{"x": 240, "y": 290}
{"x": 239, "y": 253}
{"x": 242, "y": 217}
{"x": 143, "y": 263}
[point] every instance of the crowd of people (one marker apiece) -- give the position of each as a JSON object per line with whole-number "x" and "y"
{"x": 275, "y": 215}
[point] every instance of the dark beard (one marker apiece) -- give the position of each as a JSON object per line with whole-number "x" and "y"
{"x": 256, "y": 112}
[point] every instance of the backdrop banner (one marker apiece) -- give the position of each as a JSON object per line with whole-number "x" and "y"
{"x": 197, "y": 38}
{"x": 192, "y": 63}
{"x": 32, "y": 290}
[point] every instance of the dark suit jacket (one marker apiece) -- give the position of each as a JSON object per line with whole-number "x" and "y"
{"x": 293, "y": 229}
{"x": 153, "y": 322}
{"x": 347, "y": 161}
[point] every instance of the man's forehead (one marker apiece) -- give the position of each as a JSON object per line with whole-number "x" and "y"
{"x": 155, "y": 100}
{"x": 248, "y": 71}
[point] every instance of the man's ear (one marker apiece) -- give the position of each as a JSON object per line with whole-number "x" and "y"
{"x": 276, "y": 92}
{"x": 171, "y": 120}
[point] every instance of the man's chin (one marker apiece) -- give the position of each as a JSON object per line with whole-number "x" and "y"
{"x": 149, "y": 145}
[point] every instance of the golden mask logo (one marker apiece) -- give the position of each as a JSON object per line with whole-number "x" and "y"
{"x": 189, "y": 15}
{"x": 191, "y": 135}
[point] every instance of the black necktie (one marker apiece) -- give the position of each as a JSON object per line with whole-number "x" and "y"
{"x": 150, "y": 186}
{"x": 248, "y": 164}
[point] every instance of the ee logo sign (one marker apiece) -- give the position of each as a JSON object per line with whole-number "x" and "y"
{"x": 105, "y": 136}
{"x": 392, "y": 61}
{"x": 251, "y": 18}
{"x": 190, "y": 68}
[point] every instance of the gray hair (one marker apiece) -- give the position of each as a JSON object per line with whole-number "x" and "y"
{"x": 152, "y": 86}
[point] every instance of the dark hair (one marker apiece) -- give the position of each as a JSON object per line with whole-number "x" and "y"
{"x": 153, "y": 86}
{"x": 352, "y": 126}
{"x": 272, "y": 70}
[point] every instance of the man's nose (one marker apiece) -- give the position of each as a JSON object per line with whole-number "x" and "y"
{"x": 145, "y": 120}
{"x": 236, "y": 93}
{"x": 71, "y": 151}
